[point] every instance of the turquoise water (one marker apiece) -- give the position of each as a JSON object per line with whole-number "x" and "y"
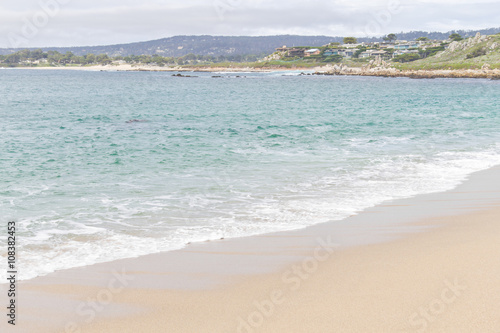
{"x": 220, "y": 157}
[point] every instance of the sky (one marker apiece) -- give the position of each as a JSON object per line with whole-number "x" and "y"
{"x": 39, "y": 23}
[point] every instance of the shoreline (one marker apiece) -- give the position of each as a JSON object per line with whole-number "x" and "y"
{"x": 382, "y": 71}
{"x": 368, "y": 70}
{"x": 241, "y": 271}
{"x": 148, "y": 68}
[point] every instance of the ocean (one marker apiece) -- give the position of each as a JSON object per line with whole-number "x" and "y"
{"x": 98, "y": 166}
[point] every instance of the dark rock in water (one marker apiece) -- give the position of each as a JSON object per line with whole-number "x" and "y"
{"x": 419, "y": 77}
{"x": 136, "y": 121}
{"x": 322, "y": 73}
{"x": 180, "y": 75}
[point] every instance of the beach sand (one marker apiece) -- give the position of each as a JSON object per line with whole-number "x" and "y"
{"x": 442, "y": 281}
{"x": 425, "y": 264}
{"x": 154, "y": 68}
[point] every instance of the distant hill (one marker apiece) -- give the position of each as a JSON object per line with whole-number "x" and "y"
{"x": 179, "y": 46}
{"x": 231, "y": 45}
{"x": 412, "y": 35}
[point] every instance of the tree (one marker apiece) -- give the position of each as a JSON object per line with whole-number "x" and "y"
{"x": 350, "y": 40}
{"x": 455, "y": 37}
{"x": 476, "y": 53}
{"x": 334, "y": 58}
{"x": 90, "y": 58}
{"x": 160, "y": 61}
{"x": 430, "y": 51}
{"x": 37, "y": 54}
{"x": 67, "y": 58}
{"x": 422, "y": 39}
{"x": 79, "y": 60}
{"x": 390, "y": 38}
{"x": 406, "y": 57}
{"x": 54, "y": 57}
{"x": 189, "y": 57}
{"x": 103, "y": 59}
{"x": 12, "y": 58}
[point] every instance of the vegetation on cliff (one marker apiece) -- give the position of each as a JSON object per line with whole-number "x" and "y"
{"x": 471, "y": 53}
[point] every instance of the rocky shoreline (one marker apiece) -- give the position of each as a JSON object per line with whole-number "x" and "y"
{"x": 381, "y": 69}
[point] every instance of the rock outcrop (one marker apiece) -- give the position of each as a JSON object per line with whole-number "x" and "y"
{"x": 484, "y": 72}
{"x": 466, "y": 44}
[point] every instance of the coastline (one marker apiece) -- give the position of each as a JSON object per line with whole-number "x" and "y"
{"x": 369, "y": 70}
{"x": 383, "y": 71}
{"x": 149, "y": 68}
{"x": 374, "y": 272}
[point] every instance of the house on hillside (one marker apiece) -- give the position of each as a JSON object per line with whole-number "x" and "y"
{"x": 291, "y": 52}
{"x": 401, "y": 47}
{"x": 386, "y": 45}
{"x": 311, "y": 52}
{"x": 352, "y": 46}
{"x": 329, "y": 53}
{"x": 406, "y": 46}
{"x": 401, "y": 52}
{"x": 347, "y": 53}
{"x": 365, "y": 54}
{"x": 296, "y": 52}
{"x": 374, "y": 53}
{"x": 381, "y": 53}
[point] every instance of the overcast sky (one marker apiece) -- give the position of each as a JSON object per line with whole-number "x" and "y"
{"x": 38, "y": 23}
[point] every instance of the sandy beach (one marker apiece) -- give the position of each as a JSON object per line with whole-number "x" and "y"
{"x": 424, "y": 264}
{"x": 153, "y": 68}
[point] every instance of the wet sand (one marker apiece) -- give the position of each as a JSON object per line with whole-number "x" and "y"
{"x": 424, "y": 264}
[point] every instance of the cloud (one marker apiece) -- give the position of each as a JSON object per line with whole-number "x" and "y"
{"x": 96, "y": 22}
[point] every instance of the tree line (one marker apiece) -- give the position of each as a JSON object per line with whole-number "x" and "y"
{"x": 54, "y": 58}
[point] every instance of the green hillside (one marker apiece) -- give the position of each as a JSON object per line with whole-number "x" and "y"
{"x": 473, "y": 53}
